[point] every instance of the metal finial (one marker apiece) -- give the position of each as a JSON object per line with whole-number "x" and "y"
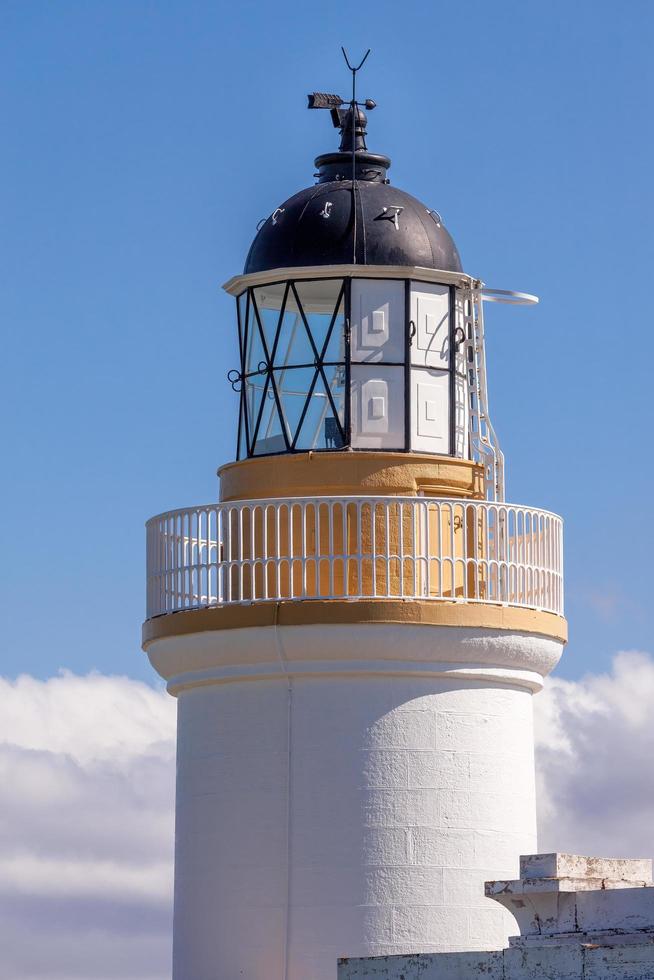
{"x": 354, "y": 110}
{"x": 347, "y": 60}
{"x": 352, "y": 124}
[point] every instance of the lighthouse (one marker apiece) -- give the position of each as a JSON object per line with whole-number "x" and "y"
{"x": 355, "y": 629}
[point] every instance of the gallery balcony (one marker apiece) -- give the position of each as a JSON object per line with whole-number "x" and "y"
{"x": 354, "y": 548}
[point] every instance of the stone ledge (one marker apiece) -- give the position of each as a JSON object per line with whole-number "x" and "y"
{"x": 543, "y": 886}
{"x": 578, "y": 866}
{"x": 605, "y": 960}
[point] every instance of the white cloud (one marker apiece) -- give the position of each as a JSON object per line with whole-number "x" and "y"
{"x": 86, "y": 828}
{"x": 594, "y": 758}
{"x": 86, "y": 809}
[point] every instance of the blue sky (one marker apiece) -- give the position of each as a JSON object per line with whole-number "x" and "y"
{"x": 143, "y": 141}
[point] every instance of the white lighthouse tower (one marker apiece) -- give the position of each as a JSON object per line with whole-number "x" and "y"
{"x": 354, "y": 632}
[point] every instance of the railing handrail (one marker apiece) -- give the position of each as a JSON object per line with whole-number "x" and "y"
{"x": 354, "y": 547}
{"x": 350, "y": 498}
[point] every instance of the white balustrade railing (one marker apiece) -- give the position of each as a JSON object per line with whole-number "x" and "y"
{"x": 354, "y": 548}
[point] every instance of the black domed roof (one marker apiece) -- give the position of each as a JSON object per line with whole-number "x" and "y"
{"x": 320, "y": 226}
{"x": 315, "y": 227}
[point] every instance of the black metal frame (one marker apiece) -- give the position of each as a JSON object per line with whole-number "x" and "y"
{"x": 267, "y": 368}
{"x": 407, "y": 365}
{"x": 248, "y": 433}
{"x": 452, "y": 359}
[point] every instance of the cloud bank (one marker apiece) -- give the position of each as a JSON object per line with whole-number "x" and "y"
{"x": 594, "y": 761}
{"x": 86, "y": 828}
{"x": 86, "y": 809}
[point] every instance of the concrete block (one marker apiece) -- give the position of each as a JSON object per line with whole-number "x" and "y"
{"x": 255, "y": 887}
{"x": 235, "y": 720}
{"x": 471, "y": 732}
{"x": 623, "y": 962}
{"x": 317, "y": 807}
{"x": 485, "y": 811}
{"x": 403, "y": 886}
{"x": 442, "y": 847}
{"x": 629, "y": 909}
{"x": 237, "y": 937}
{"x": 483, "y": 922}
{"x": 378, "y": 968}
{"x": 504, "y": 812}
{"x": 224, "y": 773}
{"x": 386, "y": 846}
{"x": 407, "y": 729}
{"x": 323, "y": 843}
{"x": 439, "y": 966}
{"x": 320, "y": 887}
{"x": 504, "y": 772}
{"x": 455, "y": 810}
{"x": 464, "y": 888}
{"x": 465, "y": 966}
{"x": 355, "y": 927}
{"x": 558, "y": 865}
{"x": 436, "y": 926}
{"x": 544, "y": 963}
{"x": 501, "y": 849}
{"x": 536, "y": 915}
{"x": 438, "y": 770}
{"x": 305, "y": 961}
{"x": 215, "y": 824}
{"x": 384, "y": 769}
{"x": 401, "y": 808}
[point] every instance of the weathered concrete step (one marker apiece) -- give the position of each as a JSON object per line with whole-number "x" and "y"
{"x": 540, "y": 886}
{"x": 557, "y": 865}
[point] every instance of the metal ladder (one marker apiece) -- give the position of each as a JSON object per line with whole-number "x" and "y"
{"x": 484, "y": 444}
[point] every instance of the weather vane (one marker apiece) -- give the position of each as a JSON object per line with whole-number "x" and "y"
{"x": 326, "y": 100}
{"x": 340, "y": 119}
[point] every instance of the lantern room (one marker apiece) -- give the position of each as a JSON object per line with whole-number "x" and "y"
{"x": 353, "y": 318}
{"x": 348, "y": 361}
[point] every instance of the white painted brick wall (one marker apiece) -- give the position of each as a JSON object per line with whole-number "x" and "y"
{"x": 406, "y": 793}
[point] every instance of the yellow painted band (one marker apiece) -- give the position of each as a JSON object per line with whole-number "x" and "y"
{"x": 316, "y": 611}
{"x": 351, "y": 473}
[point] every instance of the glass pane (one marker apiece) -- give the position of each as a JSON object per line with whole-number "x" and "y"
{"x": 335, "y": 350}
{"x": 280, "y": 327}
{"x": 335, "y": 376}
{"x": 319, "y": 298}
{"x": 254, "y": 390}
{"x": 255, "y": 354}
{"x": 320, "y": 428}
{"x": 293, "y": 346}
{"x": 269, "y": 301}
{"x": 242, "y": 310}
{"x": 270, "y": 438}
{"x": 293, "y": 386}
{"x": 242, "y": 444}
